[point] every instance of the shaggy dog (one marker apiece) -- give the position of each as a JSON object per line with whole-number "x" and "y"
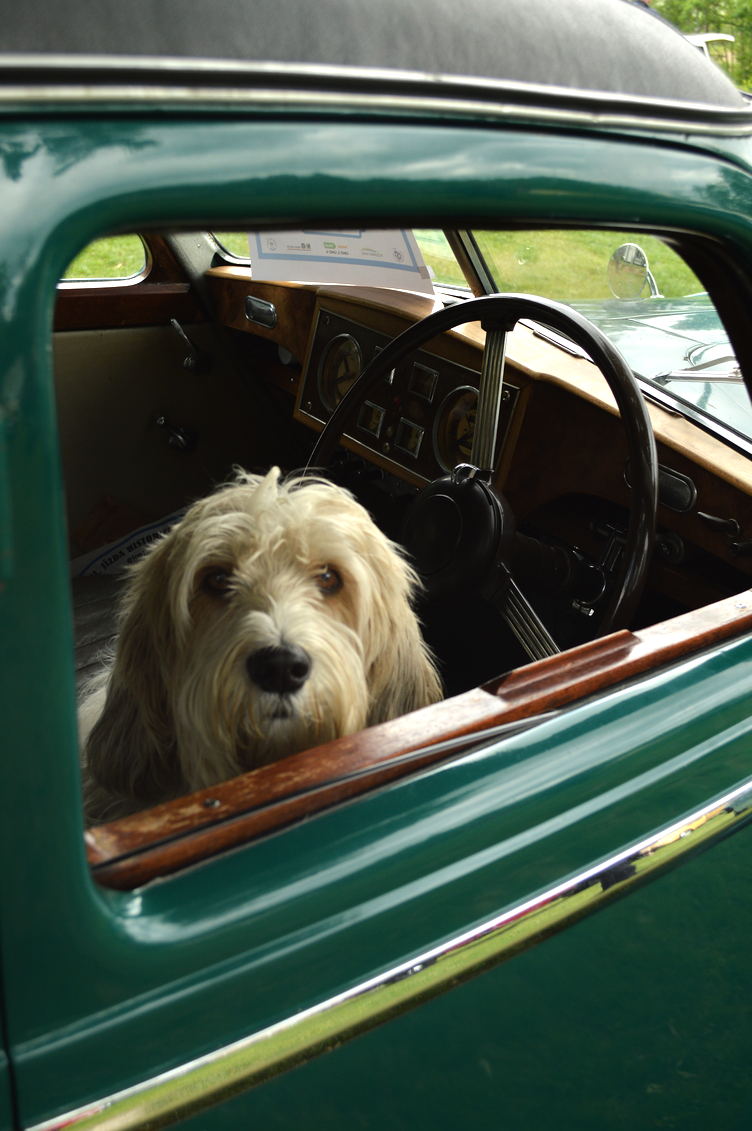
{"x": 275, "y": 616}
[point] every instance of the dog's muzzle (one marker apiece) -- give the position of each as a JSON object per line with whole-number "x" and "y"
{"x": 282, "y": 670}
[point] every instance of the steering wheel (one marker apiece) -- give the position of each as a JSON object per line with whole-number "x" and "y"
{"x": 460, "y": 531}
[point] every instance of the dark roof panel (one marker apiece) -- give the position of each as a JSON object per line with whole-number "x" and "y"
{"x": 594, "y": 45}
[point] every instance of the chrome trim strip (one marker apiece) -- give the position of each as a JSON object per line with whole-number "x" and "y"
{"x": 228, "y": 1071}
{"x": 95, "y": 79}
{"x": 471, "y": 251}
{"x": 160, "y": 70}
{"x": 192, "y": 98}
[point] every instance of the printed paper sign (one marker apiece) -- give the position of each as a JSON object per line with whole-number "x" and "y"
{"x": 368, "y": 258}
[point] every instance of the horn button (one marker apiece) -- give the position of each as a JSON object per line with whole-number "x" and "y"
{"x": 456, "y": 530}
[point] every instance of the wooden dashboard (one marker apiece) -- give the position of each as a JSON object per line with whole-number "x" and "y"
{"x": 559, "y": 433}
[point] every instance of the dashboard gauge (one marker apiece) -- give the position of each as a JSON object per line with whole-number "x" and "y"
{"x": 409, "y": 438}
{"x": 340, "y": 366}
{"x": 371, "y": 419}
{"x": 454, "y": 427}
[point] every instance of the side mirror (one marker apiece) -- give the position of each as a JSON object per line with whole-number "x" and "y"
{"x": 628, "y": 272}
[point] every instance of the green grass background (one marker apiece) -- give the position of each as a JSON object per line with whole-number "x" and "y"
{"x": 117, "y": 257}
{"x": 565, "y": 265}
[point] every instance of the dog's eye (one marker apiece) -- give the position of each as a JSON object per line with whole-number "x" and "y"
{"x": 216, "y": 581}
{"x": 329, "y": 581}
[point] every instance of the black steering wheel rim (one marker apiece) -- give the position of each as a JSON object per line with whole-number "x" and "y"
{"x": 507, "y": 309}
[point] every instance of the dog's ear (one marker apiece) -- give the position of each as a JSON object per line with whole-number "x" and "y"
{"x": 402, "y": 675}
{"x": 129, "y": 760}
{"x": 130, "y": 752}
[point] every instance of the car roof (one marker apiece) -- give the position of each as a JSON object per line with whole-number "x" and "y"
{"x": 612, "y": 46}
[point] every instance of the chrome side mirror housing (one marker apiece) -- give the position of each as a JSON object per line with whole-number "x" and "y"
{"x": 628, "y": 273}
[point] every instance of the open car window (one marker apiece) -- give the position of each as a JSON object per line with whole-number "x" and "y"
{"x": 557, "y": 417}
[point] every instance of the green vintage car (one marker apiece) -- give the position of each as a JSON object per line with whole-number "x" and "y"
{"x": 526, "y": 905}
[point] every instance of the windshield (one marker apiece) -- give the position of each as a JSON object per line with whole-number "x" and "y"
{"x": 645, "y": 299}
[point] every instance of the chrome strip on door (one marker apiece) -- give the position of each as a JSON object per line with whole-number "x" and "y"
{"x": 195, "y": 1086}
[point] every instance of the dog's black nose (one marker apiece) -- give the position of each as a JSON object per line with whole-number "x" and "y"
{"x": 283, "y": 669}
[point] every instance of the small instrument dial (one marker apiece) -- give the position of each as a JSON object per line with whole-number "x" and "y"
{"x": 340, "y": 367}
{"x": 455, "y": 426}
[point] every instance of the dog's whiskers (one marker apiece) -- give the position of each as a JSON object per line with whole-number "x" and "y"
{"x": 283, "y": 711}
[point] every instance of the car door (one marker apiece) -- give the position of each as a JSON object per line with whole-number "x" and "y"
{"x": 165, "y": 1000}
{"x": 6, "y": 1102}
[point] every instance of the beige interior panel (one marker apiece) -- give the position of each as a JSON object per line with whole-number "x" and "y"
{"x": 113, "y": 385}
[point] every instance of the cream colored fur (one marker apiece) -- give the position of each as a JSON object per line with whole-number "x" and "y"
{"x": 178, "y": 709}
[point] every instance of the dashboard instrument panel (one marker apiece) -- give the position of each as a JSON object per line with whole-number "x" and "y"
{"x": 419, "y": 419}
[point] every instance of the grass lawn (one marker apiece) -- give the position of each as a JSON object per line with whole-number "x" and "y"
{"x": 235, "y": 242}
{"x": 571, "y": 266}
{"x": 566, "y": 265}
{"x": 114, "y": 258}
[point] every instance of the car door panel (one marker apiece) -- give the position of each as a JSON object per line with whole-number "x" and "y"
{"x": 329, "y": 904}
{"x": 103, "y": 989}
{"x": 616, "y": 1022}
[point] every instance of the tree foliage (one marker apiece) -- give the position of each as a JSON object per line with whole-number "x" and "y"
{"x": 733, "y": 17}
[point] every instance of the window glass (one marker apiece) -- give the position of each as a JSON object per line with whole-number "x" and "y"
{"x": 234, "y": 242}
{"x": 439, "y": 257}
{"x": 571, "y": 266}
{"x": 644, "y": 297}
{"x": 117, "y": 257}
{"x": 432, "y": 242}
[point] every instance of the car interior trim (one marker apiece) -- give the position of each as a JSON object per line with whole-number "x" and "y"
{"x": 193, "y": 1087}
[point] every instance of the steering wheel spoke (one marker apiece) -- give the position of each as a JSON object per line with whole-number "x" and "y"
{"x": 489, "y": 399}
{"x": 523, "y": 620}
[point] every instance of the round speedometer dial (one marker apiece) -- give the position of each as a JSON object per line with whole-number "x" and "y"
{"x": 455, "y": 426}
{"x": 340, "y": 366}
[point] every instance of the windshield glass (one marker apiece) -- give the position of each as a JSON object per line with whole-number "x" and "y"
{"x": 439, "y": 258}
{"x": 644, "y": 298}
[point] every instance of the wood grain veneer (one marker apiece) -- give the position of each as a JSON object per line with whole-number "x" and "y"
{"x": 134, "y": 304}
{"x": 293, "y": 302}
{"x": 546, "y": 363}
{"x": 568, "y": 445}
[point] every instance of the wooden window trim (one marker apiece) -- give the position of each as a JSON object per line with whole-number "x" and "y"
{"x": 160, "y": 293}
{"x": 129, "y": 852}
